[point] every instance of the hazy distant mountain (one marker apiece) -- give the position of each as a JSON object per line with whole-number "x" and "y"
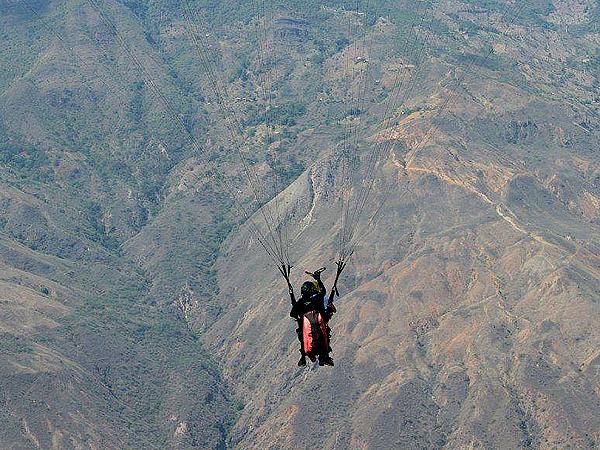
{"x": 137, "y": 307}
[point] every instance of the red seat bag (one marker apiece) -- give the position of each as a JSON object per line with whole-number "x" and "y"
{"x": 314, "y": 334}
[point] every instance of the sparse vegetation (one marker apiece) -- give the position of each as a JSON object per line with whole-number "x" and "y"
{"x": 11, "y": 345}
{"x": 109, "y": 217}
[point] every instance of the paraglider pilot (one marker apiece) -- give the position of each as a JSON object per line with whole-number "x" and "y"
{"x": 312, "y": 312}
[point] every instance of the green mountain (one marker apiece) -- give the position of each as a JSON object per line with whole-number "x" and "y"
{"x": 148, "y": 151}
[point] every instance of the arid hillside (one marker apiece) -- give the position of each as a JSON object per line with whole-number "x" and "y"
{"x": 469, "y": 316}
{"x": 143, "y": 145}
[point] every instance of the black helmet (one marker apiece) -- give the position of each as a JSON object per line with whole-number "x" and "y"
{"x": 309, "y": 288}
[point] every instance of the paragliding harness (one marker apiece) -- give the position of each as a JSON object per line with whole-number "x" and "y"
{"x": 313, "y": 332}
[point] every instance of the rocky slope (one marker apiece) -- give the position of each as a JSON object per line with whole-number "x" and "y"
{"x": 469, "y": 317}
{"x": 470, "y": 312}
{"x": 135, "y": 313}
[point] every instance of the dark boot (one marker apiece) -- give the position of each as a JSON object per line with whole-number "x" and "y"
{"x": 325, "y": 360}
{"x": 302, "y": 361}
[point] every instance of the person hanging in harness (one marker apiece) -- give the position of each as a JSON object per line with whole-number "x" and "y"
{"x": 313, "y": 312}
